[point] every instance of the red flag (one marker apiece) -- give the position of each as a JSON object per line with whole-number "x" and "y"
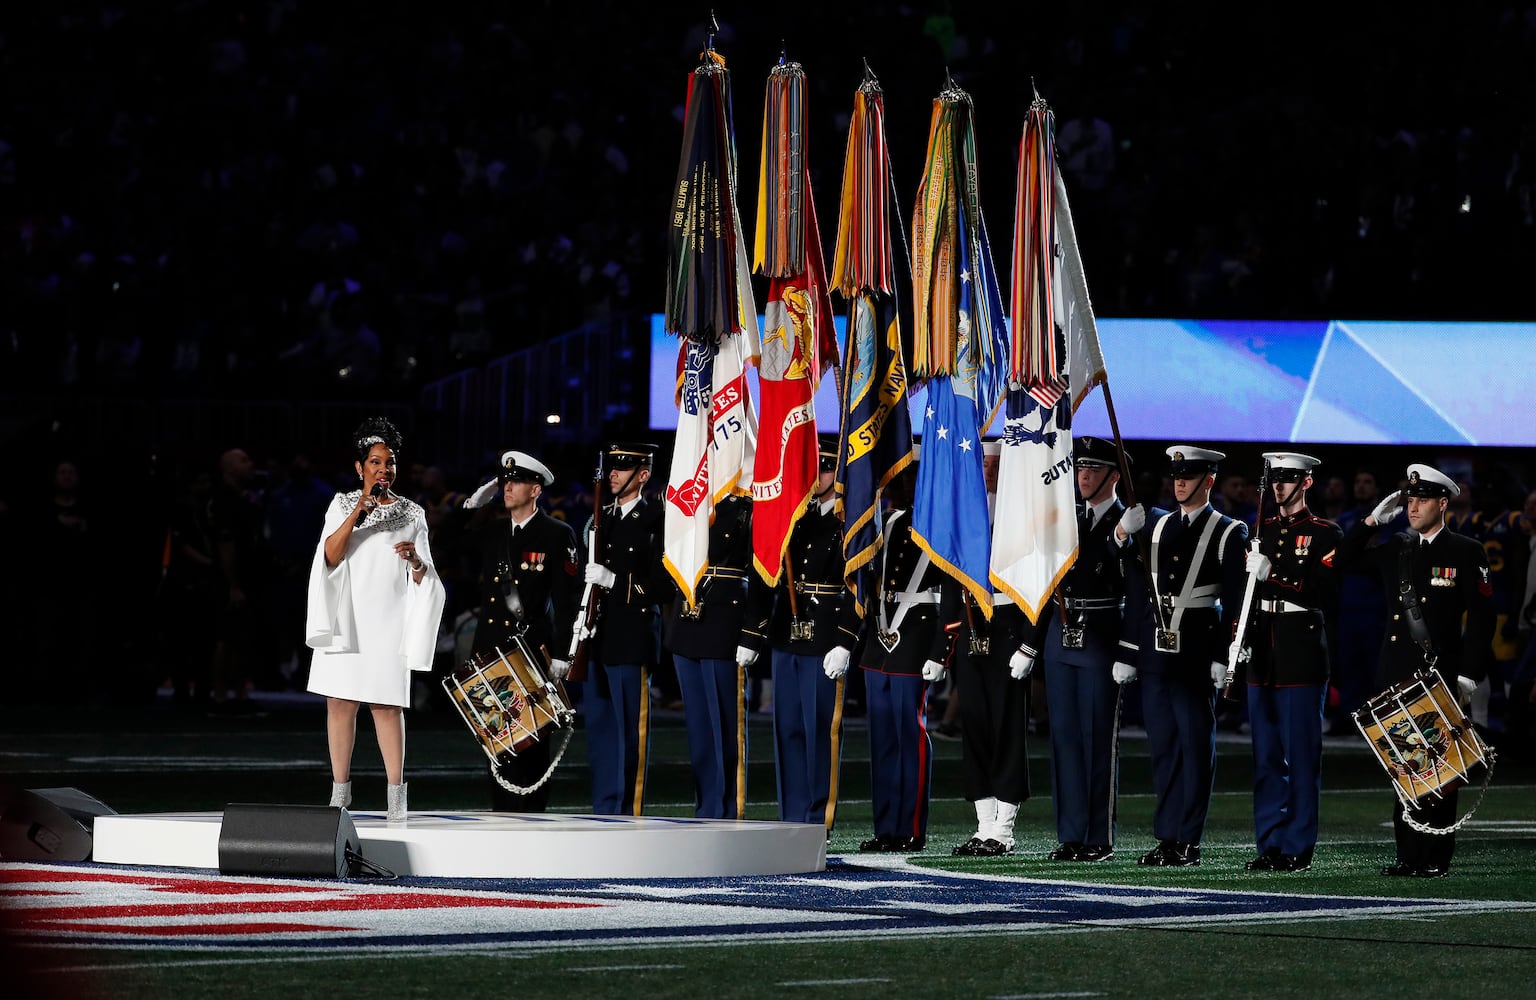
{"x": 797, "y": 329}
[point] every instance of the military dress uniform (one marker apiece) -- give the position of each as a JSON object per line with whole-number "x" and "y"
{"x": 1444, "y": 579}
{"x": 1287, "y": 675}
{"x": 1181, "y": 631}
{"x": 910, "y": 622}
{"x": 994, "y": 721}
{"x": 812, "y": 612}
{"x": 1077, "y": 640}
{"x": 703, "y": 640}
{"x": 528, "y": 584}
{"x": 616, "y": 697}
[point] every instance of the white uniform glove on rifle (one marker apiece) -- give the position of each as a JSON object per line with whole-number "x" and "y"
{"x": 1123, "y": 673}
{"x": 1258, "y": 563}
{"x": 600, "y": 575}
{"x": 745, "y": 657}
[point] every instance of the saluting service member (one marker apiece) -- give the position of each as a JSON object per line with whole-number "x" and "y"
{"x": 992, "y": 670}
{"x": 1435, "y": 578}
{"x": 1182, "y": 631}
{"x": 910, "y": 633}
{"x": 527, "y": 582}
{"x": 627, "y": 564}
{"x": 712, "y": 645}
{"x": 1078, "y": 635}
{"x": 812, "y": 630}
{"x": 1287, "y": 669}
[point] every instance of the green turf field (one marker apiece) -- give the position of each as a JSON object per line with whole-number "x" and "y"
{"x": 153, "y": 761}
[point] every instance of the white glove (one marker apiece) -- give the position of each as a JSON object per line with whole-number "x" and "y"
{"x": 1020, "y": 664}
{"x": 1123, "y": 673}
{"x": 482, "y": 496}
{"x": 1388, "y": 508}
{"x": 601, "y": 575}
{"x": 1258, "y": 563}
{"x": 835, "y": 663}
{"x": 934, "y": 671}
{"x": 1464, "y": 687}
{"x": 1133, "y": 520}
{"x": 559, "y": 669}
{"x": 745, "y": 657}
{"x": 1218, "y": 674}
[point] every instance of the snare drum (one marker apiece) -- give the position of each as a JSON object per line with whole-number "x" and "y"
{"x": 1423, "y": 739}
{"x": 507, "y": 700}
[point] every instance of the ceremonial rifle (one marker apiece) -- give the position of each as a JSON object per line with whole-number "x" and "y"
{"x": 1239, "y": 653}
{"x": 591, "y": 597}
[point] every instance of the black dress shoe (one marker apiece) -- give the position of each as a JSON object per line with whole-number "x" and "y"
{"x": 991, "y": 848}
{"x": 1158, "y": 856}
{"x": 913, "y": 844}
{"x": 1065, "y": 852}
{"x": 1294, "y": 862}
{"x": 1431, "y": 871}
{"x": 876, "y": 845}
{"x": 1094, "y": 852}
{"x": 1182, "y": 855}
{"x": 967, "y": 849}
{"x": 1398, "y": 869}
{"x": 1268, "y": 861}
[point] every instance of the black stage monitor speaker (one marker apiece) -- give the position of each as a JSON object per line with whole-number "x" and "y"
{"x": 48, "y": 824}
{"x": 287, "y": 840}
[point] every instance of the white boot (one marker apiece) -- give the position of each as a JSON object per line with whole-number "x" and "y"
{"x": 395, "y": 805}
{"x": 341, "y": 793}
{"x": 1002, "y": 827}
{"x": 986, "y": 815}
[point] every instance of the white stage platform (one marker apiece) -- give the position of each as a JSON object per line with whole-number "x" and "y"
{"x": 504, "y": 845}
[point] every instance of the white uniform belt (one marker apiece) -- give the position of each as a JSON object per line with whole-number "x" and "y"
{"x": 1186, "y": 603}
{"x": 922, "y": 597}
{"x": 1281, "y": 607}
{"x": 1091, "y": 603}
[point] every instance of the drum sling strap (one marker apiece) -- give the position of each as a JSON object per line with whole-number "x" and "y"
{"x": 1413, "y": 609}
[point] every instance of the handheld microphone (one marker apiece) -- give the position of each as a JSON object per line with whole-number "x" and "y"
{"x": 376, "y": 492}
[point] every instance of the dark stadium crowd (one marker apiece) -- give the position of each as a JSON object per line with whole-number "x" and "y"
{"x": 205, "y": 198}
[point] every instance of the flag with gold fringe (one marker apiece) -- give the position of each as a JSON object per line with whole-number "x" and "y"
{"x": 798, "y": 336}
{"x": 876, "y": 438}
{"x": 960, "y": 343}
{"x": 711, "y": 309}
{"x": 1054, "y": 362}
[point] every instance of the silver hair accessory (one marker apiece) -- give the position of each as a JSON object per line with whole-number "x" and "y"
{"x": 370, "y": 441}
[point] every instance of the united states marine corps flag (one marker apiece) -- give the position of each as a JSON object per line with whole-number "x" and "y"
{"x": 710, "y": 308}
{"x": 1054, "y": 363}
{"x": 798, "y": 337}
{"x": 877, "y": 431}
{"x": 960, "y": 342}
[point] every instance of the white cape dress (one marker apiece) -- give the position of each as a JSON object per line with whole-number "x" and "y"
{"x": 369, "y": 624}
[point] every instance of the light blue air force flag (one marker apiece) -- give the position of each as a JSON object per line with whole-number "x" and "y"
{"x": 949, "y": 512}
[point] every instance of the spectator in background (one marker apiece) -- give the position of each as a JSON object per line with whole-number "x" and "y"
{"x": 294, "y": 515}
{"x": 241, "y": 658}
{"x": 191, "y": 595}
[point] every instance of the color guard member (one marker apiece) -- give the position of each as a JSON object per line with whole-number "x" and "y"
{"x": 1182, "y": 632}
{"x": 812, "y": 628}
{"x": 713, "y": 642}
{"x": 1441, "y": 606}
{"x": 1287, "y": 666}
{"x": 627, "y": 565}
{"x": 1079, "y": 634}
{"x": 527, "y": 581}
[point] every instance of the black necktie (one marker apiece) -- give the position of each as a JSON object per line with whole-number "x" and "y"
{"x": 1186, "y": 520}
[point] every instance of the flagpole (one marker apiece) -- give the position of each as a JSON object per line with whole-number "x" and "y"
{"x": 1130, "y": 496}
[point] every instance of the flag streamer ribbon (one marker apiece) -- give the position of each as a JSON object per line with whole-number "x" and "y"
{"x": 876, "y": 441}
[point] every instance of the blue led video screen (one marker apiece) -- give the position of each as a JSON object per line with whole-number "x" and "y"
{"x": 1322, "y": 382}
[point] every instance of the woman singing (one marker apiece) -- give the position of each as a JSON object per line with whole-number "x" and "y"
{"x": 374, "y": 606}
